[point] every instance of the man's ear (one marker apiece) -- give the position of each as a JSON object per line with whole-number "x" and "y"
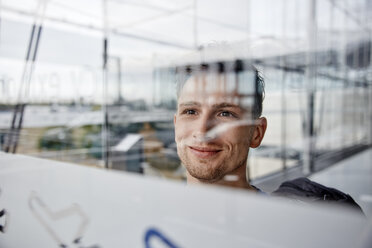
{"x": 258, "y": 132}
{"x": 174, "y": 119}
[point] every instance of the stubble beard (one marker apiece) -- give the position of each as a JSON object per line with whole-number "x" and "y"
{"x": 203, "y": 171}
{"x": 207, "y": 170}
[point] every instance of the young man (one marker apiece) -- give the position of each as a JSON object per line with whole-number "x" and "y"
{"x": 216, "y": 124}
{"x": 218, "y": 120}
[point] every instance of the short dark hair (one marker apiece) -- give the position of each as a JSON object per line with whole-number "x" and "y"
{"x": 260, "y": 94}
{"x": 185, "y": 72}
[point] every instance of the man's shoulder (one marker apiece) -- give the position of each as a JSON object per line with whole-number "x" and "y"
{"x": 303, "y": 189}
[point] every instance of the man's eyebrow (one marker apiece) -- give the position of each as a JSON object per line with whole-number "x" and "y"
{"x": 226, "y": 105}
{"x": 188, "y": 104}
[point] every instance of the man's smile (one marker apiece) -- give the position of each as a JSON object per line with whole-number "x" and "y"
{"x": 204, "y": 152}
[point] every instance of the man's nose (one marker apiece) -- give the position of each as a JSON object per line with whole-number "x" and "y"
{"x": 205, "y": 123}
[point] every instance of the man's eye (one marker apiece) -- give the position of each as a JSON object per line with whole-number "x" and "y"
{"x": 226, "y": 114}
{"x": 189, "y": 112}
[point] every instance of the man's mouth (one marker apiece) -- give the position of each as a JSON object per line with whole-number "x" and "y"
{"x": 204, "y": 152}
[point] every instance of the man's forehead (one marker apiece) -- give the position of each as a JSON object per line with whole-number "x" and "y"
{"x": 209, "y": 83}
{"x": 210, "y": 100}
{"x": 212, "y": 89}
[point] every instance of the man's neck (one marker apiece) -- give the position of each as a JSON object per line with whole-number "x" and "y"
{"x": 236, "y": 179}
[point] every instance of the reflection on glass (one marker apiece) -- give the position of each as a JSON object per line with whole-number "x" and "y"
{"x": 316, "y": 74}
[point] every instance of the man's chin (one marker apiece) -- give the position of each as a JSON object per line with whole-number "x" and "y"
{"x": 205, "y": 177}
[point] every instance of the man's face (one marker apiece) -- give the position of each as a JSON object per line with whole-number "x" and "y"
{"x": 204, "y": 104}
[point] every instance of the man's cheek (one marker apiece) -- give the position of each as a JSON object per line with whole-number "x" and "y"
{"x": 179, "y": 140}
{"x": 177, "y": 133}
